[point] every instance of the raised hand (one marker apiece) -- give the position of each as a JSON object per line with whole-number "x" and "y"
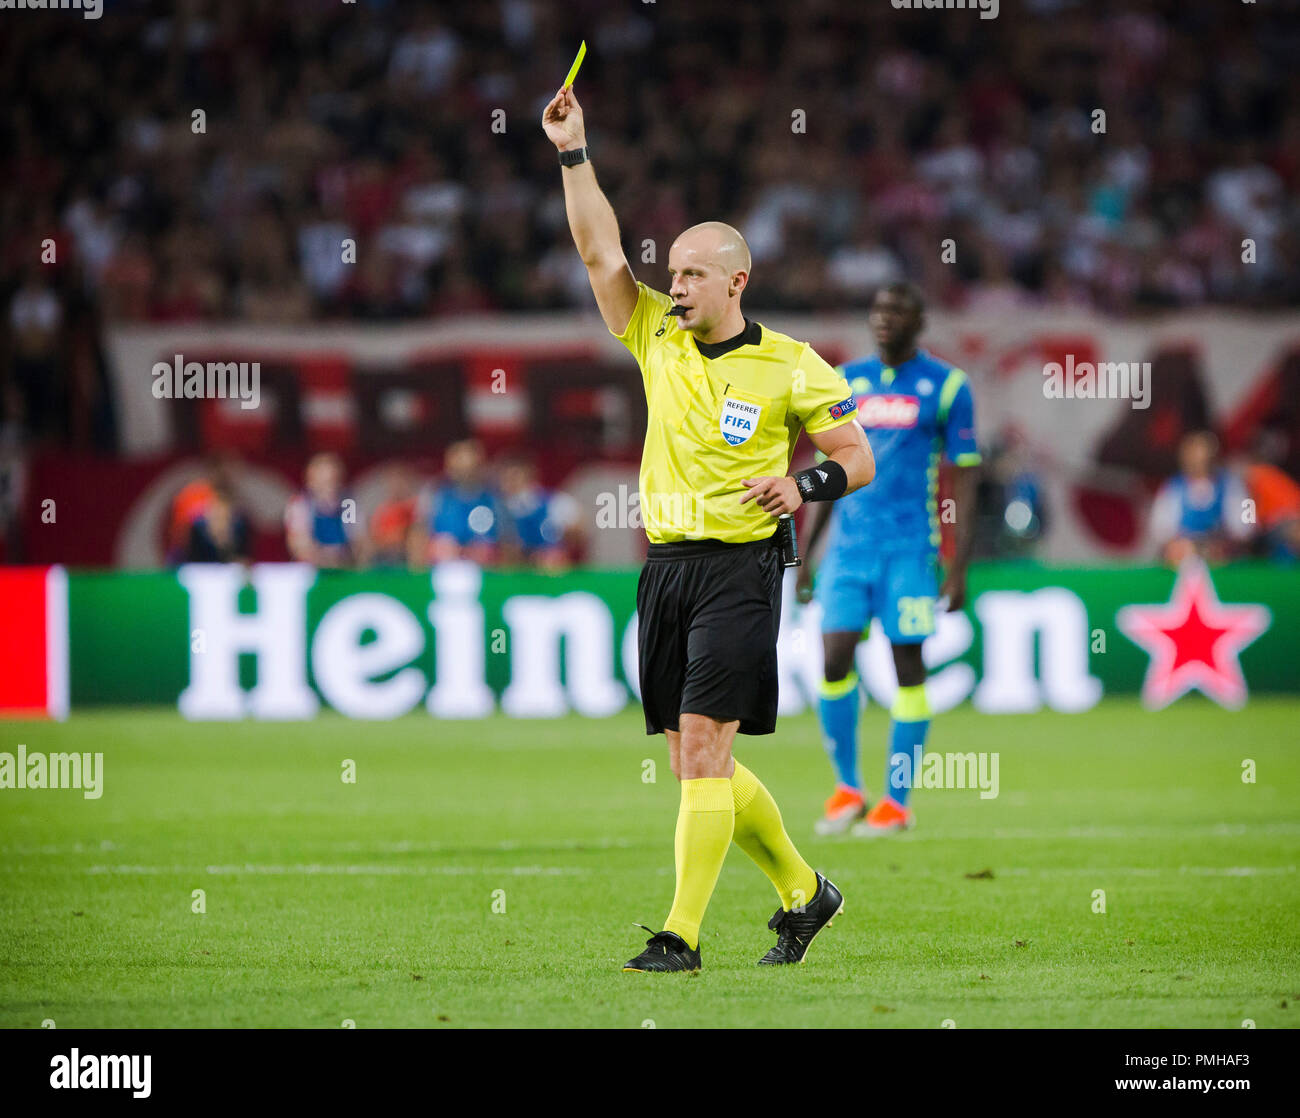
{"x": 562, "y": 121}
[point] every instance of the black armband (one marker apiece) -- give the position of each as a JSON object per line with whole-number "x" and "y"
{"x": 826, "y": 481}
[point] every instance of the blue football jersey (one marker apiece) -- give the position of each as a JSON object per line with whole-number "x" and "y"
{"x": 466, "y": 516}
{"x": 912, "y": 415}
{"x": 530, "y": 519}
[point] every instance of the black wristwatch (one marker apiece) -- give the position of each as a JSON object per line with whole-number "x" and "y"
{"x": 574, "y": 156}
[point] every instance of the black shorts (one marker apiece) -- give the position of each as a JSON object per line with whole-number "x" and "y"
{"x": 708, "y": 618}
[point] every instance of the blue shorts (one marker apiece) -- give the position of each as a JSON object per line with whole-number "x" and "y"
{"x": 899, "y": 589}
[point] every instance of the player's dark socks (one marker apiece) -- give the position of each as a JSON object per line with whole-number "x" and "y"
{"x": 796, "y": 930}
{"x": 665, "y": 951}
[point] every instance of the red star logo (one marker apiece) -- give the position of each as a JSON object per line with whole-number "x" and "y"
{"x": 1194, "y": 641}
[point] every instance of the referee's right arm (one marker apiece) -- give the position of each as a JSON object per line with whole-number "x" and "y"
{"x": 591, "y": 217}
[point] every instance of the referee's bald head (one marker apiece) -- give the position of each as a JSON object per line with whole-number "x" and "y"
{"x": 709, "y": 264}
{"x": 721, "y": 243}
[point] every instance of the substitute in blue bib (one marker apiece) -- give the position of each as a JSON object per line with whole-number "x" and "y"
{"x": 460, "y": 516}
{"x": 320, "y": 522}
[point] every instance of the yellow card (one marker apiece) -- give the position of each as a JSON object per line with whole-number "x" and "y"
{"x": 573, "y": 70}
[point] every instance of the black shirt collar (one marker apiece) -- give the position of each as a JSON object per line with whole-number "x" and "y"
{"x": 752, "y": 334}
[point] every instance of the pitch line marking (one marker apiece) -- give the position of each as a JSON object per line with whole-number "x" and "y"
{"x": 307, "y": 869}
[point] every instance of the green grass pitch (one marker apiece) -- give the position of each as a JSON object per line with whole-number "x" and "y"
{"x": 378, "y": 902}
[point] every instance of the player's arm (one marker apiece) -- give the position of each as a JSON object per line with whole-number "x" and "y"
{"x": 591, "y": 217}
{"x": 965, "y": 480}
{"x": 815, "y": 521}
{"x": 819, "y": 516}
{"x": 957, "y": 403}
{"x": 849, "y": 465}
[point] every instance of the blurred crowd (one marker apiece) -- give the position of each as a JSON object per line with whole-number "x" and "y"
{"x": 1215, "y": 507}
{"x": 495, "y": 514}
{"x": 191, "y": 160}
{"x": 197, "y": 160}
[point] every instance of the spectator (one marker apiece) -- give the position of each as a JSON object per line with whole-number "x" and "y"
{"x": 388, "y": 538}
{"x": 537, "y": 525}
{"x": 220, "y": 534}
{"x": 35, "y": 322}
{"x": 321, "y": 252}
{"x": 460, "y": 517}
{"x": 1011, "y": 512}
{"x": 424, "y": 58}
{"x": 1200, "y": 510}
{"x": 187, "y": 506}
{"x": 320, "y": 522}
{"x": 1277, "y": 507}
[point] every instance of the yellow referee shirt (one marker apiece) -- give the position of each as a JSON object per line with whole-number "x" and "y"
{"x": 715, "y": 422}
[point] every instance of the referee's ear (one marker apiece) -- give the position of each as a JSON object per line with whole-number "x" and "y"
{"x": 735, "y": 289}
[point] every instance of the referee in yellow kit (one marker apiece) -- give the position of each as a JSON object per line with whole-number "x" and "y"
{"x": 727, "y": 398}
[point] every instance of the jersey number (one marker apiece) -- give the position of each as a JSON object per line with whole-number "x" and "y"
{"x": 915, "y": 616}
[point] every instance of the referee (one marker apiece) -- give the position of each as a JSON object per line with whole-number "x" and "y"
{"x": 726, "y": 399}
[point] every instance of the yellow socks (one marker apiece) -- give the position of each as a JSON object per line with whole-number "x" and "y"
{"x": 704, "y": 825}
{"x": 760, "y": 833}
{"x": 713, "y": 812}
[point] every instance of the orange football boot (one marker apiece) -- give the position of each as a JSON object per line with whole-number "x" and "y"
{"x": 888, "y": 817}
{"x": 844, "y": 808}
